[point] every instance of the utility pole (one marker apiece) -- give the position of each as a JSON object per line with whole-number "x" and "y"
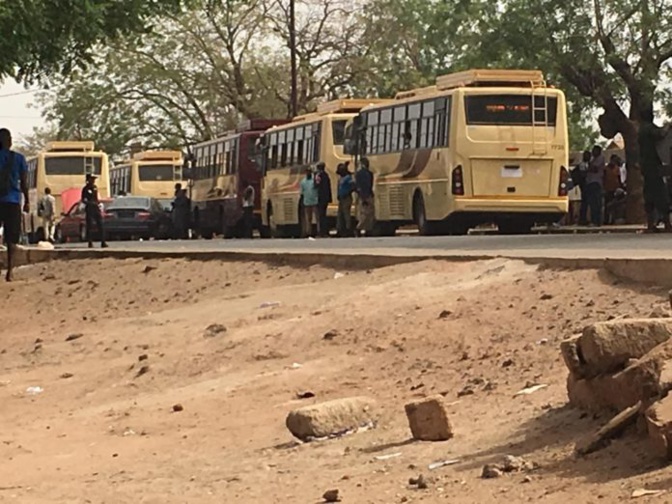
{"x": 292, "y": 49}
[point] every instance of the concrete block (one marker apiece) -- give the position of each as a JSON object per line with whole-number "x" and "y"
{"x": 428, "y": 419}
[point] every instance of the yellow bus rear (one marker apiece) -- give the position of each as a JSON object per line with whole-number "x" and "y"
{"x": 61, "y": 166}
{"x": 479, "y": 147}
{"x": 150, "y": 173}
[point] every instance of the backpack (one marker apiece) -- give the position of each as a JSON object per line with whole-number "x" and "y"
{"x": 6, "y": 175}
{"x": 578, "y": 176}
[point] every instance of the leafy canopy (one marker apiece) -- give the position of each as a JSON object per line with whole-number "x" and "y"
{"x": 43, "y": 37}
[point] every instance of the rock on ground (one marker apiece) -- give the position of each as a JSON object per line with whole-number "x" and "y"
{"x": 607, "y": 347}
{"x": 428, "y": 419}
{"x": 659, "y": 427}
{"x": 331, "y": 418}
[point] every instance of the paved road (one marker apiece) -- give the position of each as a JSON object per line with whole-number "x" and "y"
{"x": 588, "y": 246}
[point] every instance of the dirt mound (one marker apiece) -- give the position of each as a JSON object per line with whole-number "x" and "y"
{"x": 178, "y": 384}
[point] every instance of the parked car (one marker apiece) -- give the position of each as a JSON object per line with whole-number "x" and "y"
{"x": 129, "y": 217}
{"x": 72, "y": 226}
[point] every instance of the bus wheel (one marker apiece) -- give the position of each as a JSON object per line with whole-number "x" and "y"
{"x": 514, "y": 227}
{"x": 425, "y": 227}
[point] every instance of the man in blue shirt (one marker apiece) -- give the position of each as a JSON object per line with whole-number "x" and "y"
{"x": 309, "y": 197}
{"x": 13, "y": 185}
{"x": 346, "y": 186}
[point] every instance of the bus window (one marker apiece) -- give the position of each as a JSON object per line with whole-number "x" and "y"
{"x": 74, "y": 165}
{"x": 338, "y": 132}
{"x": 155, "y": 173}
{"x": 512, "y": 110}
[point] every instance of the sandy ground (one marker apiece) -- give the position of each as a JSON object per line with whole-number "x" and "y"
{"x": 101, "y": 427}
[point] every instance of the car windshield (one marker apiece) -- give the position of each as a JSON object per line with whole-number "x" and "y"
{"x": 124, "y": 202}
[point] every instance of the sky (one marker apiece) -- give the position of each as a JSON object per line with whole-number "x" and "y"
{"x": 15, "y": 113}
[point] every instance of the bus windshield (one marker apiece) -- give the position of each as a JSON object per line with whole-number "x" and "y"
{"x": 71, "y": 165}
{"x": 155, "y": 173}
{"x": 508, "y": 110}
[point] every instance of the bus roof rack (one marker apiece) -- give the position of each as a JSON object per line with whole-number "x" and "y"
{"x": 71, "y": 146}
{"x": 347, "y": 105}
{"x": 158, "y": 155}
{"x": 491, "y": 77}
{"x": 415, "y": 92}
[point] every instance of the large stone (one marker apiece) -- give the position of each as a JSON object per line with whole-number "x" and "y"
{"x": 571, "y": 354}
{"x": 606, "y": 347}
{"x": 593, "y": 394}
{"x": 331, "y": 418}
{"x": 428, "y": 419}
{"x": 659, "y": 427}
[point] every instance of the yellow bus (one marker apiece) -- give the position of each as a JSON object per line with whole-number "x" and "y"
{"x": 63, "y": 165}
{"x": 150, "y": 173}
{"x": 288, "y": 149}
{"x": 478, "y": 147}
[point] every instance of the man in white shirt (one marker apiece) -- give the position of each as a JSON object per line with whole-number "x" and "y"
{"x": 248, "y": 209}
{"x": 47, "y": 210}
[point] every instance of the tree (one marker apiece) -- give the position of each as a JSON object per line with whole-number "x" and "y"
{"x": 43, "y": 37}
{"x": 612, "y": 52}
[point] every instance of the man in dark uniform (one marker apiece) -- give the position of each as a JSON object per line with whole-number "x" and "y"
{"x": 324, "y": 197}
{"x": 13, "y": 185}
{"x": 656, "y": 201}
{"x": 92, "y": 208}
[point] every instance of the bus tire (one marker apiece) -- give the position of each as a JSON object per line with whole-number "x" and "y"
{"x": 425, "y": 227}
{"x": 514, "y": 227}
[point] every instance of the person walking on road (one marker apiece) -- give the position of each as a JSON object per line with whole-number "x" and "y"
{"x": 248, "y": 210}
{"x": 365, "y": 203}
{"x": 93, "y": 211}
{"x": 310, "y": 200}
{"x": 346, "y": 186}
{"x": 47, "y": 211}
{"x": 656, "y": 199}
{"x": 13, "y": 186}
{"x": 324, "y": 196}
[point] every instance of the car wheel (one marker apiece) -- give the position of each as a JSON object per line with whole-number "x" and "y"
{"x": 82, "y": 234}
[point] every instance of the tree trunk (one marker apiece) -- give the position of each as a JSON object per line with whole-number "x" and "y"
{"x": 612, "y": 122}
{"x": 634, "y": 207}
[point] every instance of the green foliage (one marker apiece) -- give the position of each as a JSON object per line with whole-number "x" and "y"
{"x": 41, "y": 37}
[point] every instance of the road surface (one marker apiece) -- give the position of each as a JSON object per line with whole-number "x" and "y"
{"x": 583, "y": 246}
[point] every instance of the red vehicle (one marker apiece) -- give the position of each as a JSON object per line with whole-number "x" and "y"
{"x": 220, "y": 170}
{"x": 72, "y": 226}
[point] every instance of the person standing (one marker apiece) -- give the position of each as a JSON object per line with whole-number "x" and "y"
{"x": 92, "y": 209}
{"x": 181, "y": 213}
{"x": 594, "y": 187}
{"x": 612, "y": 183}
{"x": 346, "y": 186}
{"x": 310, "y": 200}
{"x": 323, "y": 184}
{"x": 47, "y": 210}
{"x": 13, "y": 185}
{"x": 656, "y": 199}
{"x": 248, "y": 210}
{"x": 365, "y": 203}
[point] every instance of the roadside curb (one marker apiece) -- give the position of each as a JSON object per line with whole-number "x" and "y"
{"x": 645, "y": 271}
